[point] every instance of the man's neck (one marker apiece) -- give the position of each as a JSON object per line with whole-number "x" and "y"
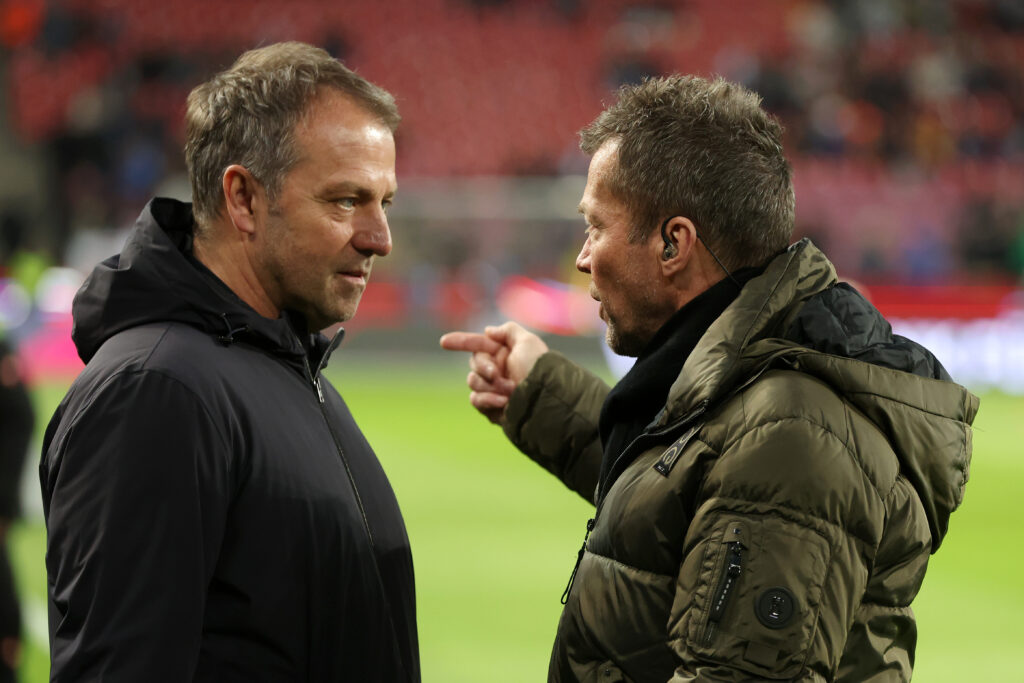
{"x": 231, "y": 264}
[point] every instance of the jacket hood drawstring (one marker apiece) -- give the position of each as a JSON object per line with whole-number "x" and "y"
{"x": 228, "y": 337}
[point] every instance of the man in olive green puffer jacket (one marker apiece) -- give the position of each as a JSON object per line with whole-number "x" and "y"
{"x": 772, "y": 475}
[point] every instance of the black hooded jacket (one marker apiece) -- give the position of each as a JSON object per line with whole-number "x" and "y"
{"x": 213, "y": 511}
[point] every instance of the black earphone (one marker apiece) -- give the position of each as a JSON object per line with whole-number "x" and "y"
{"x": 670, "y": 248}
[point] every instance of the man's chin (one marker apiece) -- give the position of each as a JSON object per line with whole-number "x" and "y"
{"x": 324, "y": 320}
{"x": 344, "y": 316}
{"x": 620, "y": 345}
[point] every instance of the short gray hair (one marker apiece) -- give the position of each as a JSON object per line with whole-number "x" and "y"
{"x": 247, "y": 115}
{"x": 705, "y": 150}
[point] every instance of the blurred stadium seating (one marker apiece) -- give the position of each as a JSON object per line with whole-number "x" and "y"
{"x": 905, "y": 124}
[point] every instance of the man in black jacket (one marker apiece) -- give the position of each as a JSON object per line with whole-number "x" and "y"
{"x": 213, "y": 511}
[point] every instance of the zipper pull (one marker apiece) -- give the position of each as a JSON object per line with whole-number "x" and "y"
{"x": 579, "y": 559}
{"x": 725, "y": 586}
{"x": 314, "y": 378}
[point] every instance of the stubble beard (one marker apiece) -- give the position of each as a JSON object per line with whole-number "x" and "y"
{"x": 623, "y": 344}
{"x": 612, "y": 335}
{"x": 337, "y": 302}
{"x": 648, "y": 317}
{"x": 621, "y": 341}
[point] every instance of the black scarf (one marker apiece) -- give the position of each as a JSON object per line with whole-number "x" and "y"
{"x": 635, "y": 401}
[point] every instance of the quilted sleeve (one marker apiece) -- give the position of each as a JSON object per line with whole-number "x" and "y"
{"x": 552, "y": 417}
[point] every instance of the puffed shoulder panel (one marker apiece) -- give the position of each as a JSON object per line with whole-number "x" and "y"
{"x": 790, "y": 441}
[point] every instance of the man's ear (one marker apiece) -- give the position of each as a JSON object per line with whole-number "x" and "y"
{"x": 242, "y": 194}
{"x": 676, "y": 242}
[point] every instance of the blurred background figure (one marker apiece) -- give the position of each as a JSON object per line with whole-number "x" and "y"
{"x": 16, "y": 424}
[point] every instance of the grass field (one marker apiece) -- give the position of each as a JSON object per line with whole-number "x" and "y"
{"x": 495, "y": 537}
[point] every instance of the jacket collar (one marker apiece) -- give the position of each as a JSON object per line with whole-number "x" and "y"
{"x": 640, "y": 395}
{"x": 760, "y": 311}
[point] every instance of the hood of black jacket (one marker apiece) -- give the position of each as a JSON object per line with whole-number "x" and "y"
{"x": 154, "y": 279}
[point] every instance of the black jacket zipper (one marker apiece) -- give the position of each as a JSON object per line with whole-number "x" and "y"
{"x": 314, "y": 379}
{"x": 720, "y": 599}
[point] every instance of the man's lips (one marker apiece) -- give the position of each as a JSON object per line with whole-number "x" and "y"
{"x": 596, "y": 297}
{"x": 359, "y": 274}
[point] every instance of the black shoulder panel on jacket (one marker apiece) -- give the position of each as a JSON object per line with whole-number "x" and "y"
{"x": 840, "y": 321}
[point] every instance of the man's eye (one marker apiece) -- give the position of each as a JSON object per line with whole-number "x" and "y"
{"x": 346, "y": 202}
{"x": 386, "y": 204}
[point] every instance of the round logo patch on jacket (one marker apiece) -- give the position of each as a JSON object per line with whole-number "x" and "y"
{"x": 775, "y": 607}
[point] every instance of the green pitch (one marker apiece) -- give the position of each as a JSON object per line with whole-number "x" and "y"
{"x": 495, "y": 537}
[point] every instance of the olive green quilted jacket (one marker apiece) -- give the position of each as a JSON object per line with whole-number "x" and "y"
{"x": 775, "y": 520}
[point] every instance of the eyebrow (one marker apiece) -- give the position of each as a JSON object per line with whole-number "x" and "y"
{"x": 590, "y": 219}
{"x": 361, "y": 192}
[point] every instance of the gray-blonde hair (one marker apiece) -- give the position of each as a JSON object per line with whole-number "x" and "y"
{"x": 247, "y": 115}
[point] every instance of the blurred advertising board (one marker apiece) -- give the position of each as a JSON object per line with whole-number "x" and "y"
{"x": 976, "y": 331}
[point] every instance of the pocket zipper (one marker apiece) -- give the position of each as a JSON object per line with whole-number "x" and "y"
{"x": 734, "y": 566}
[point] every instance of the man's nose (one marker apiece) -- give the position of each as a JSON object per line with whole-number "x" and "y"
{"x": 373, "y": 235}
{"x": 583, "y": 259}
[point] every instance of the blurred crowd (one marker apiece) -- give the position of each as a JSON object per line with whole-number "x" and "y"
{"x": 919, "y": 83}
{"x": 920, "y": 88}
{"x": 904, "y": 118}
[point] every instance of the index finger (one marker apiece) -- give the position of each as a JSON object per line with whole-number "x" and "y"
{"x": 470, "y": 341}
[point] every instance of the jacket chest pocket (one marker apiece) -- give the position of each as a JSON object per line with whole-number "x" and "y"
{"x": 758, "y": 597}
